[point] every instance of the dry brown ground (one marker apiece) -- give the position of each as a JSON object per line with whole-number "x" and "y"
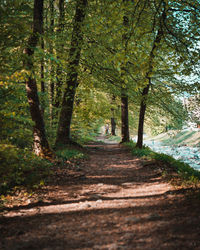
{"x": 112, "y": 202}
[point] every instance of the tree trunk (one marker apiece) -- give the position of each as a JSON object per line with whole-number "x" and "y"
{"x": 40, "y": 143}
{"x": 113, "y": 126}
{"x": 124, "y": 96}
{"x": 124, "y": 117}
{"x": 51, "y": 6}
{"x": 52, "y": 67}
{"x": 42, "y": 78}
{"x": 63, "y": 133}
{"x": 113, "y": 123}
{"x": 141, "y": 116}
{"x": 59, "y": 77}
{"x": 146, "y": 89}
{"x": 42, "y": 68}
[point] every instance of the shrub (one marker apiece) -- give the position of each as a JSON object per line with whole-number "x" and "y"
{"x": 20, "y": 168}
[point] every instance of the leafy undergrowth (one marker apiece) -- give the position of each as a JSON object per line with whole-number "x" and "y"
{"x": 114, "y": 138}
{"x": 20, "y": 167}
{"x": 70, "y": 153}
{"x": 177, "y": 171}
{"x": 23, "y": 175}
{"x": 83, "y": 139}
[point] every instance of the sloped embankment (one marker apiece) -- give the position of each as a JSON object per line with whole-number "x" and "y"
{"x": 180, "y": 138}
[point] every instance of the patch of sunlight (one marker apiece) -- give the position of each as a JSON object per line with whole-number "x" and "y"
{"x": 119, "y": 201}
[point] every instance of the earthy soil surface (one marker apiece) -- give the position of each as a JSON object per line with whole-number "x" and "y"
{"x": 111, "y": 201}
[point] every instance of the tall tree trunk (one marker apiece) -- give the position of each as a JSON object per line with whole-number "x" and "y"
{"x": 143, "y": 106}
{"x": 113, "y": 126}
{"x": 59, "y": 76}
{"x": 124, "y": 95}
{"x": 63, "y": 132}
{"x": 40, "y": 143}
{"x": 113, "y": 123}
{"x": 52, "y": 67}
{"x": 42, "y": 77}
{"x": 124, "y": 116}
{"x": 145, "y": 91}
{"x": 42, "y": 68}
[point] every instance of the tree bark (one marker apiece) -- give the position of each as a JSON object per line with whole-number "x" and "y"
{"x": 113, "y": 126}
{"x": 113, "y": 122}
{"x": 52, "y": 85}
{"x": 124, "y": 117}
{"x": 124, "y": 95}
{"x": 40, "y": 143}
{"x": 142, "y": 115}
{"x": 42, "y": 78}
{"x": 63, "y": 132}
{"x": 42, "y": 68}
{"x": 145, "y": 91}
{"x": 59, "y": 78}
{"x": 52, "y": 66}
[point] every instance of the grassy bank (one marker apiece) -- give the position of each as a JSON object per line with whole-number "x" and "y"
{"x": 114, "y": 138}
{"x": 186, "y": 173}
{"x": 179, "y": 138}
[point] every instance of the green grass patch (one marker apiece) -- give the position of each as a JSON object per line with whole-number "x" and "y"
{"x": 85, "y": 138}
{"x": 184, "y": 170}
{"x": 21, "y": 168}
{"x": 70, "y": 153}
{"x": 179, "y": 138}
{"x": 114, "y": 138}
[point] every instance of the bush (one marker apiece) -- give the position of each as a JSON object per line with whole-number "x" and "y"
{"x": 20, "y": 168}
{"x": 15, "y": 120}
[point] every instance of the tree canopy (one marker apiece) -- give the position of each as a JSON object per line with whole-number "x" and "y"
{"x": 87, "y": 63}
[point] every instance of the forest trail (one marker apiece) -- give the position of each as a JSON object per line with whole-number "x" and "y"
{"x": 116, "y": 202}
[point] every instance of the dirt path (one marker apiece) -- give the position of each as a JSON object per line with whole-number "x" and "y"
{"x": 114, "y": 203}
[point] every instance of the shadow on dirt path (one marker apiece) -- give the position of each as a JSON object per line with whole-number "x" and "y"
{"x": 116, "y": 204}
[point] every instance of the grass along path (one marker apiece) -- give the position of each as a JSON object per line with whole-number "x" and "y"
{"x": 178, "y": 138}
{"x": 115, "y": 202}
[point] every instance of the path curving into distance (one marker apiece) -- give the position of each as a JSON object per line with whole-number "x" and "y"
{"x": 118, "y": 203}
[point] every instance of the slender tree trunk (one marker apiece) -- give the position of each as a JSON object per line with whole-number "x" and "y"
{"x": 52, "y": 67}
{"x": 113, "y": 123}
{"x": 59, "y": 84}
{"x": 59, "y": 76}
{"x": 63, "y": 133}
{"x": 113, "y": 126}
{"x": 142, "y": 115}
{"x": 40, "y": 143}
{"x": 42, "y": 68}
{"x": 124, "y": 95}
{"x": 124, "y": 117}
{"x": 42, "y": 78}
{"x": 145, "y": 91}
